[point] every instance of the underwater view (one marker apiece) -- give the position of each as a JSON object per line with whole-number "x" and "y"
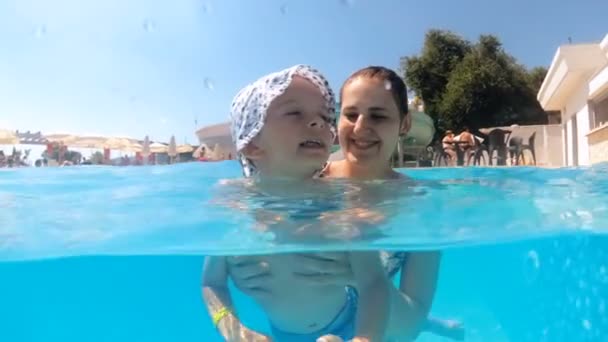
{"x": 117, "y": 253}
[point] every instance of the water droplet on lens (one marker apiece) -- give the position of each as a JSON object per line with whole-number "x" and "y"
{"x": 40, "y": 31}
{"x": 388, "y": 86}
{"x": 209, "y": 84}
{"x": 284, "y": 9}
{"x": 149, "y": 25}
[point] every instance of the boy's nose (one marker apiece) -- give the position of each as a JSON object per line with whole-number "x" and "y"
{"x": 316, "y": 122}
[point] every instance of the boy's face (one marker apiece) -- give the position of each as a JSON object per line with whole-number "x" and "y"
{"x": 296, "y": 137}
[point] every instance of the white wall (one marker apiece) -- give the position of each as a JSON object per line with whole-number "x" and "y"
{"x": 569, "y": 145}
{"x": 577, "y": 106}
{"x": 582, "y": 122}
{"x": 565, "y": 136}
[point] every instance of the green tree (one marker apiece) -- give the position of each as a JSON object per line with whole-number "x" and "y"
{"x": 474, "y": 85}
{"x": 428, "y": 73}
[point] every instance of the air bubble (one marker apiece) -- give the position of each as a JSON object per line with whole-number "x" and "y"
{"x": 586, "y": 324}
{"x": 531, "y": 265}
{"x": 209, "y": 84}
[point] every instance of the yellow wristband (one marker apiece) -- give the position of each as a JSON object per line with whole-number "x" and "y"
{"x": 219, "y": 315}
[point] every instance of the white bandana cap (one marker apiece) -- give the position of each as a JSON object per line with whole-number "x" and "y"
{"x": 250, "y": 105}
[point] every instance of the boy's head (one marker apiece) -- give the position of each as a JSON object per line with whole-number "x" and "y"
{"x": 283, "y": 124}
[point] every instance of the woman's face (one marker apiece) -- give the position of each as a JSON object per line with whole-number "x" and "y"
{"x": 370, "y": 122}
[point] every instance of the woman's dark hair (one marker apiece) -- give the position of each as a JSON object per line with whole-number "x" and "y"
{"x": 397, "y": 87}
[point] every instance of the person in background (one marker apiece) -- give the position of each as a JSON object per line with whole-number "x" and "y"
{"x": 449, "y": 146}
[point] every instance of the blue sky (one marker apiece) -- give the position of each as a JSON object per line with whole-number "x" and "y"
{"x": 137, "y": 67}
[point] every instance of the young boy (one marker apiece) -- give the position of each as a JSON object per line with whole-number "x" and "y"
{"x": 283, "y": 126}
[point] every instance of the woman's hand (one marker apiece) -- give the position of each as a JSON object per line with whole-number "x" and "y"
{"x": 330, "y": 338}
{"x": 248, "y": 335}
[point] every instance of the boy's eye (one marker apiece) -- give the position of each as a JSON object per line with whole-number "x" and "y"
{"x": 351, "y": 116}
{"x": 295, "y": 112}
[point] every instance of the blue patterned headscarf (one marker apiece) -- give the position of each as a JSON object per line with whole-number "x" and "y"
{"x": 250, "y": 106}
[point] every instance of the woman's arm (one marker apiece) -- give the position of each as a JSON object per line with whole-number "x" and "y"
{"x": 373, "y": 288}
{"x": 412, "y": 302}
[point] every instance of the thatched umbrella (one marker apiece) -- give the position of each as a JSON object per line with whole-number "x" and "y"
{"x": 158, "y": 148}
{"x": 8, "y": 137}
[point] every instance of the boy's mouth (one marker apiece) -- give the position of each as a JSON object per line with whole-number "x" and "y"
{"x": 312, "y": 143}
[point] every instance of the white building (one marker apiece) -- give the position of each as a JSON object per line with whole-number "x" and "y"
{"x": 577, "y": 86}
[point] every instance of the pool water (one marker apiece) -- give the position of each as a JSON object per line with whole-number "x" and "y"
{"x": 115, "y": 254}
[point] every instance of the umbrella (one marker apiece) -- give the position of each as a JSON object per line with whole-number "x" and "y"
{"x": 186, "y": 148}
{"x": 8, "y": 137}
{"x": 62, "y": 138}
{"x": 134, "y": 147}
{"x": 118, "y": 143}
{"x": 158, "y": 148}
{"x": 88, "y": 142}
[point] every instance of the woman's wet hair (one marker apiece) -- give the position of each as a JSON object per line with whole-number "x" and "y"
{"x": 393, "y": 82}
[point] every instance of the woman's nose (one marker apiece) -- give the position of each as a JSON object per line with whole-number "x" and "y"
{"x": 361, "y": 124}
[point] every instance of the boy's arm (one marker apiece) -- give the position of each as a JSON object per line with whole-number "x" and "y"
{"x": 217, "y": 297}
{"x": 373, "y": 287}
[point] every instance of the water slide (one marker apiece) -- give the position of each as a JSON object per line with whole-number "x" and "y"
{"x": 422, "y": 131}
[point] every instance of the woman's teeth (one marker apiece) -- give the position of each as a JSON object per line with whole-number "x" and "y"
{"x": 363, "y": 144}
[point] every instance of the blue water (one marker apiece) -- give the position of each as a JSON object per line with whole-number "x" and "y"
{"x": 115, "y": 254}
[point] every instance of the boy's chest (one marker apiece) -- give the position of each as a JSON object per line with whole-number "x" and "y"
{"x": 286, "y": 271}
